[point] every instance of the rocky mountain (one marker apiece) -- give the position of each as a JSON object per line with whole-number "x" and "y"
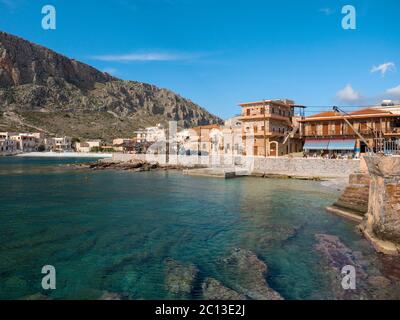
{"x": 46, "y": 91}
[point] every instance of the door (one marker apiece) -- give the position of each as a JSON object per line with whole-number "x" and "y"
{"x": 313, "y": 129}
{"x": 255, "y": 150}
{"x": 337, "y": 128}
{"x": 273, "y": 149}
{"x": 325, "y": 129}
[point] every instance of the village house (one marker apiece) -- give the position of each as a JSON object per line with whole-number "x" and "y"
{"x": 26, "y": 142}
{"x": 328, "y": 133}
{"x": 272, "y": 126}
{"x": 232, "y": 136}
{"x": 124, "y": 145}
{"x": 88, "y": 146}
{"x": 212, "y": 139}
{"x": 58, "y": 144}
{"x": 7, "y": 147}
{"x": 151, "y": 134}
{"x": 203, "y": 139}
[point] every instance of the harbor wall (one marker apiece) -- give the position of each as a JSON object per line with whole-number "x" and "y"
{"x": 305, "y": 167}
{"x": 296, "y": 167}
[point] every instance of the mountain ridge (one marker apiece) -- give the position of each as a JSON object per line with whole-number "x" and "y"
{"x": 45, "y": 89}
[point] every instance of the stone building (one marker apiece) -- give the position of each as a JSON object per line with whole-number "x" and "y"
{"x": 328, "y": 132}
{"x": 273, "y": 127}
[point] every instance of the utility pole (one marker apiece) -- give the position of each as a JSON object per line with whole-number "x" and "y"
{"x": 265, "y": 132}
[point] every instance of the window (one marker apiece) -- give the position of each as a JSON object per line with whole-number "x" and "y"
{"x": 396, "y": 123}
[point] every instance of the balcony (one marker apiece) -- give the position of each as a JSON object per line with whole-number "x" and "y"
{"x": 395, "y": 132}
{"x": 267, "y": 116}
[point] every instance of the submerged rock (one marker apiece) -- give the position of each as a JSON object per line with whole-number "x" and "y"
{"x": 214, "y": 290}
{"x": 370, "y": 283}
{"x": 180, "y": 278}
{"x": 110, "y": 296}
{"x": 37, "y": 296}
{"x": 248, "y": 275}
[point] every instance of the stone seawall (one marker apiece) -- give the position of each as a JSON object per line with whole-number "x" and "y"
{"x": 294, "y": 167}
{"x": 382, "y": 223}
{"x": 353, "y": 202}
{"x": 305, "y": 167}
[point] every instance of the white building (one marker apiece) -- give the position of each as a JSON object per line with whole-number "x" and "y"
{"x": 26, "y": 142}
{"x": 151, "y": 134}
{"x": 58, "y": 144}
{"x": 7, "y": 147}
{"x": 389, "y": 105}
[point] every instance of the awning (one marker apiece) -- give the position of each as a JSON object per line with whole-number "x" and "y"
{"x": 329, "y": 144}
{"x": 342, "y": 144}
{"x": 312, "y": 144}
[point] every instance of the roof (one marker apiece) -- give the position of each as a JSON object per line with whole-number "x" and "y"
{"x": 209, "y": 126}
{"x": 324, "y": 114}
{"x": 369, "y": 111}
{"x": 359, "y": 114}
{"x": 246, "y": 104}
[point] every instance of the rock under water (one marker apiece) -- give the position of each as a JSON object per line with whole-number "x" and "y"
{"x": 248, "y": 273}
{"x": 215, "y": 290}
{"x": 370, "y": 282}
{"x": 180, "y": 278}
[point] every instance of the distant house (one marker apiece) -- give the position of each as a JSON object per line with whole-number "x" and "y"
{"x": 7, "y": 147}
{"x": 58, "y": 144}
{"x": 124, "y": 145}
{"x": 151, "y": 134}
{"x": 26, "y": 142}
{"x": 88, "y": 146}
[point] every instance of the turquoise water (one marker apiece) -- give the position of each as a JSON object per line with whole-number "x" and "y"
{"x": 112, "y": 230}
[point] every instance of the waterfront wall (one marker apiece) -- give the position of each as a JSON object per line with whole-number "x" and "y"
{"x": 306, "y": 167}
{"x": 382, "y": 223}
{"x": 296, "y": 167}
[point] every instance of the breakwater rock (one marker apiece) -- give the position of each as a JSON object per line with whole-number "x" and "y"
{"x": 131, "y": 165}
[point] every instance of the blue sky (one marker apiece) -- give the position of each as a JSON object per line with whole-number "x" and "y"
{"x": 221, "y": 53}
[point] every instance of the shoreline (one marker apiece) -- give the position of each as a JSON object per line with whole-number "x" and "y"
{"x": 337, "y": 183}
{"x": 63, "y": 155}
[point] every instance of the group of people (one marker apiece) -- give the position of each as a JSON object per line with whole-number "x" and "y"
{"x": 330, "y": 154}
